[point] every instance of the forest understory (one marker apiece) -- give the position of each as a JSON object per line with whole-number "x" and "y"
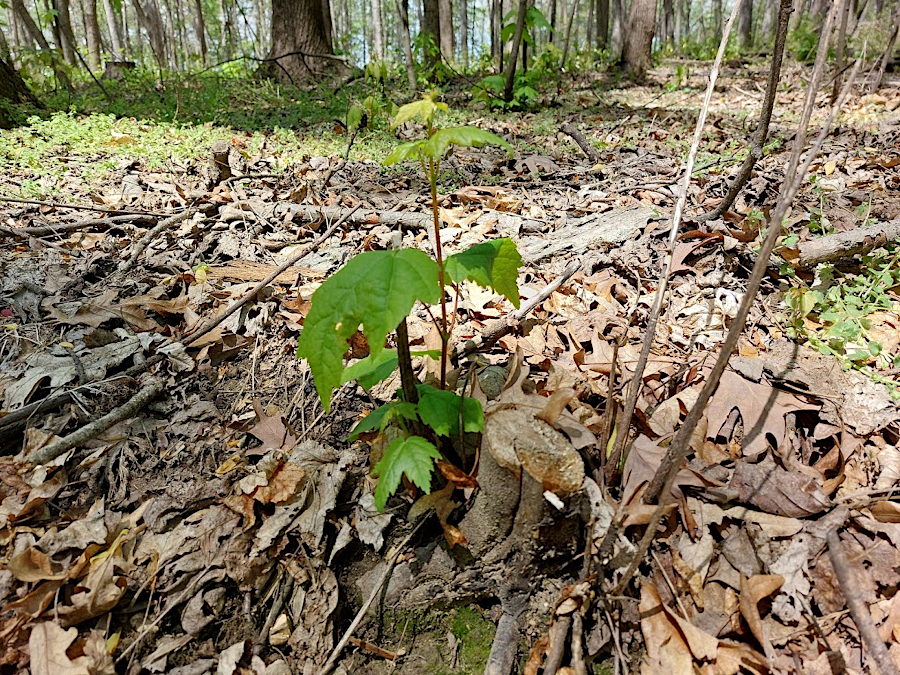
{"x": 224, "y": 523}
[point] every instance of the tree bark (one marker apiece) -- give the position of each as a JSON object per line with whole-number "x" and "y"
{"x": 403, "y": 29}
{"x": 514, "y": 51}
{"x": 328, "y": 19}
{"x": 92, "y": 33}
{"x": 552, "y": 38}
{"x": 639, "y": 37}
{"x": 200, "y": 30}
{"x": 617, "y": 31}
{"x": 149, "y": 15}
{"x": 668, "y": 21}
{"x": 496, "y": 46}
{"x": 299, "y": 45}
{"x": 602, "y": 24}
{"x": 464, "y": 32}
{"x": 63, "y": 22}
{"x": 377, "y": 31}
{"x": 12, "y": 89}
{"x": 115, "y": 32}
{"x": 745, "y": 25}
{"x": 888, "y": 51}
{"x": 445, "y": 16}
{"x": 431, "y": 31}
{"x": 717, "y": 20}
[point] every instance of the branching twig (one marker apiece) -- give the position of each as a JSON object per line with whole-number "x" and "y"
{"x": 147, "y": 239}
{"x": 47, "y": 230}
{"x": 82, "y": 207}
{"x": 50, "y": 452}
{"x": 583, "y": 143}
{"x": 862, "y": 617}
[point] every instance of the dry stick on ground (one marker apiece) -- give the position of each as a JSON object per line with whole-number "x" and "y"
{"x": 82, "y": 207}
{"x": 758, "y": 139}
{"x": 142, "y": 244}
{"x": 583, "y": 143}
{"x": 90, "y": 431}
{"x": 394, "y": 555}
{"x": 48, "y": 230}
{"x": 850, "y": 584}
{"x": 497, "y": 329}
{"x": 843, "y": 245}
{"x": 235, "y": 305}
{"x": 662, "y": 482}
{"x": 503, "y": 651}
{"x": 634, "y": 387}
{"x": 558, "y": 632}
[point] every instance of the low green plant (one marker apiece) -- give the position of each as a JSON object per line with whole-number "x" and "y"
{"x": 375, "y": 291}
{"x": 834, "y": 313}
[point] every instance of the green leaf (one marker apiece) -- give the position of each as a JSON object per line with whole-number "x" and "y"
{"x": 380, "y": 417}
{"x": 536, "y": 19}
{"x": 413, "y": 456}
{"x": 493, "y": 82}
{"x": 375, "y": 290}
{"x": 424, "y": 109}
{"x": 440, "y": 409}
{"x": 404, "y": 151}
{"x": 493, "y": 264}
{"x": 469, "y": 137}
{"x": 354, "y": 117}
{"x": 371, "y": 370}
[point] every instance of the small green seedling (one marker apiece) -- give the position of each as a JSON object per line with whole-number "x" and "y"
{"x": 375, "y": 292}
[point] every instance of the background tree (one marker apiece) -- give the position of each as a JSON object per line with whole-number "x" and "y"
{"x": 12, "y": 89}
{"x": 299, "y": 44}
{"x": 639, "y": 37}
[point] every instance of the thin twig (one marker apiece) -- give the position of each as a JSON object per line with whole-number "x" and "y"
{"x": 360, "y": 615}
{"x": 235, "y": 305}
{"x": 850, "y": 584}
{"x": 58, "y": 228}
{"x": 147, "y": 239}
{"x": 50, "y": 452}
{"x": 83, "y": 207}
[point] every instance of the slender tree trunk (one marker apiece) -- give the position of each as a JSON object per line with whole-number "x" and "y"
{"x": 602, "y": 24}
{"x": 572, "y": 12}
{"x": 639, "y": 37}
{"x": 668, "y": 16}
{"x": 150, "y": 18}
{"x": 888, "y": 51}
{"x": 403, "y": 30}
{"x": 839, "y": 54}
{"x": 200, "y": 30}
{"x": 768, "y": 22}
{"x": 126, "y": 33}
{"x": 496, "y": 45}
{"x": 431, "y": 30}
{"x": 552, "y": 11}
{"x": 464, "y": 32}
{"x": 115, "y": 32}
{"x": 299, "y": 26}
{"x": 686, "y": 19}
{"x": 589, "y": 37}
{"x": 617, "y": 33}
{"x": 328, "y": 22}
{"x": 445, "y": 12}
{"x": 32, "y": 29}
{"x": 676, "y": 19}
{"x": 745, "y": 26}
{"x": 514, "y": 51}
{"x": 377, "y": 30}
{"x": 63, "y": 23}
{"x": 717, "y": 20}
{"x": 92, "y": 33}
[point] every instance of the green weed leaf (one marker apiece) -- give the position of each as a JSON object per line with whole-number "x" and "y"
{"x": 424, "y": 109}
{"x": 440, "y": 410}
{"x": 380, "y": 417}
{"x": 354, "y": 117}
{"x": 375, "y": 290}
{"x": 371, "y": 370}
{"x": 413, "y": 456}
{"x": 469, "y": 137}
{"x": 493, "y": 264}
{"x": 404, "y": 151}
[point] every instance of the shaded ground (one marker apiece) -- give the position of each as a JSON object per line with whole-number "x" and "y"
{"x": 229, "y": 524}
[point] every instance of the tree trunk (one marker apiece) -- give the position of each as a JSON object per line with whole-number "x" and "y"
{"x": 12, "y": 89}
{"x": 717, "y": 20}
{"x": 668, "y": 21}
{"x": 496, "y": 46}
{"x": 92, "y": 33}
{"x": 299, "y": 43}
{"x": 617, "y": 32}
{"x": 745, "y": 25}
{"x": 589, "y": 38}
{"x": 639, "y": 37}
{"x": 200, "y": 30}
{"x": 686, "y": 19}
{"x": 768, "y": 22}
{"x": 552, "y": 10}
{"x": 32, "y": 28}
{"x": 63, "y": 23}
{"x": 328, "y": 20}
{"x": 431, "y": 31}
{"x": 115, "y": 32}
{"x": 464, "y": 32}
{"x": 445, "y": 16}
{"x": 150, "y": 18}
{"x": 377, "y": 30}
{"x": 514, "y": 51}
{"x": 403, "y": 30}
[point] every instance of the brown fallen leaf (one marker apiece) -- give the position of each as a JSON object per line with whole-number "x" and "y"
{"x": 753, "y": 590}
{"x": 47, "y": 647}
{"x": 773, "y": 489}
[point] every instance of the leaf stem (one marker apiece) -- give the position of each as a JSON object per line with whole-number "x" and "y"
{"x": 433, "y": 168}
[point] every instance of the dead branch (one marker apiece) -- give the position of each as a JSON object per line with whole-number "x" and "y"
{"x": 147, "y": 239}
{"x": 503, "y": 651}
{"x": 862, "y": 617}
{"x": 634, "y": 387}
{"x": 844, "y": 245}
{"x": 497, "y": 329}
{"x": 754, "y": 154}
{"x": 235, "y": 305}
{"x": 583, "y": 143}
{"x": 83, "y": 207}
{"x": 558, "y": 633}
{"x": 90, "y": 431}
{"x": 58, "y": 228}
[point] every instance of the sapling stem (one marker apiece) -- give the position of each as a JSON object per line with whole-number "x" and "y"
{"x": 433, "y": 168}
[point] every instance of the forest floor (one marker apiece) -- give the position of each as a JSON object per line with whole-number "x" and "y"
{"x": 225, "y": 525}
